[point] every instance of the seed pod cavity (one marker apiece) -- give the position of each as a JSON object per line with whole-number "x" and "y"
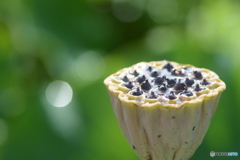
{"x": 198, "y": 88}
{"x": 152, "y": 95}
{"x": 198, "y": 74}
{"x": 162, "y": 88}
{"x": 141, "y": 79}
{"x": 171, "y": 95}
{"x": 168, "y": 66}
{"x": 205, "y": 82}
{"x": 137, "y": 92}
{"x": 159, "y": 80}
{"x": 189, "y": 82}
{"x": 125, "y": 79}
{"x": 171, "y": 82}
{"x": 179, "y": 86}
{"x": 129, "y": 85}
{"x": 146, "y": 85}
{"x": 154, "y": 74}
{"x": 135, "y": 73}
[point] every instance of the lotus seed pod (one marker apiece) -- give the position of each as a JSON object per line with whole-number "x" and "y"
{"x": 164, "y": 108}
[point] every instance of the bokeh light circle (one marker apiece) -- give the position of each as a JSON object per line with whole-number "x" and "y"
{"x": 163, "y": 11}
{"x": 127, "y": 11}
{"x": 89, "y": 67}
{"x": 161, "y": 39}
{"x": 59, "y": 93}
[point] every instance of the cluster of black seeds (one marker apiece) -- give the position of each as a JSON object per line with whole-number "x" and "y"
{"x": 153, "y": 84}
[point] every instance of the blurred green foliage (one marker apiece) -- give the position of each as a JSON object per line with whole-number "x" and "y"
{"x": 81, "y": 43}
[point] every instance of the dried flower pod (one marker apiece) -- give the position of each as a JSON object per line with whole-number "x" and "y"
{"x": 165, "y": 116}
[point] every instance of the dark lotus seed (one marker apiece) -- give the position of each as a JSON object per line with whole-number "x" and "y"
{"x": 152, "y": 95}
{"x": 154, "y": 74}
{"x": 205, "y": 82}
{"x": 187, "y": 92}
{"x": 163, "y": 88}
{"x": 149, "y": 69}
{"x": 198, "y": 74}
{"x": 159, "y": 80}
{"x": 189, "y": 82}
{"x": 146, "y": 85}
{"x": 173, "y": 72}
{"x": 177, "y": 73}
{"x": 198, "y": 88}
{"x": 125, "y": 79}
{"x": 135, "y": 73}
{"x": 168, "y": 66}
{"x": 141, "y": 79}
{"x": 171, "y": 96}
{"x": 179, "y": 86}
{"x": 137, "y": 92}
{"x": 171, "y": 82}
{"x": 129, "y": 85}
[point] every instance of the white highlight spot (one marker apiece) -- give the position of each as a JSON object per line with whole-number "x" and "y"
{"x": 59, "y": 93}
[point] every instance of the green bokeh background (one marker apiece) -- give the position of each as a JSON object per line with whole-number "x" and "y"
{"x": 81, "y": 42}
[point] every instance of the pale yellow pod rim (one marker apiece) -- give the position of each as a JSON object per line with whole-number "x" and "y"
{"x": 113, "y": 88}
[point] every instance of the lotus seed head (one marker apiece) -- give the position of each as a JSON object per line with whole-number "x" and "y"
{"x": 164, "y": 108}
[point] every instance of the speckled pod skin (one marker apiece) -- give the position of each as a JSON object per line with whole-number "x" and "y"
{"x": 164, "y": 131}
